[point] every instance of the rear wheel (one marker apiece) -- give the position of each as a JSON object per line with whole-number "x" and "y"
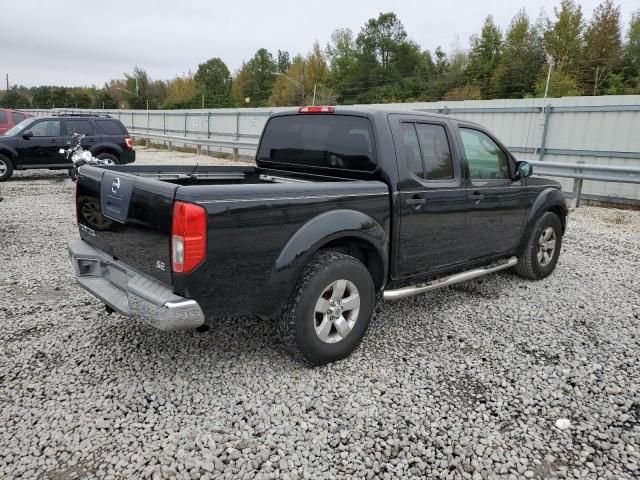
{"x": 109, "y": 159}
{"x": 541, "y": 254}
{"x": 329, "y": 310}
{"x": 6, "y": 168}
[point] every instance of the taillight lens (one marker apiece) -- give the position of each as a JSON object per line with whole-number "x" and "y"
{"x": 129, "y": 143}
{"x": 188, "y": 236}
{"x": 314, "y": 109}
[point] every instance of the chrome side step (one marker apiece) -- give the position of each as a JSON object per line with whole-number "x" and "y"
{"x": 450, "y": 280}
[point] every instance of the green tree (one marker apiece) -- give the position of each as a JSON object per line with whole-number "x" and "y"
{"x": 562, "y": 84}
{"x": 484, "y": 58}
{"x": 41, "y": 97}
{"x": 603, "y": 45}
{"x": 14, "y": 98}
{"x": 214, "y": 83}
{"x": 255, "y": 80}
{"x": 341, "y": 57}
{"x": 104, "y": 99}
{"x": 283, "y": 61}
{"x": 182, "y": 92}
{"x": 522, "y": 59}
{"x": 564, "y": 38}
{"x": 387, "y": 63}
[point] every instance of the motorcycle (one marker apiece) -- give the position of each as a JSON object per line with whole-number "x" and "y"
{"x": 79, "y": 157}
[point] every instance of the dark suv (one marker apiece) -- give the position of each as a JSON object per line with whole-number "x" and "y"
{"x": 36, "y": 142}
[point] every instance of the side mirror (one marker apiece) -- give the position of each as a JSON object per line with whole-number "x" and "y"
{"x": 523, "y": 169}
{"x": 27, "y": 135}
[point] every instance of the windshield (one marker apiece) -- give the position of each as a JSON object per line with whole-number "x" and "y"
{"x": 19, "y": 127}
{"x": 337, "y": 142}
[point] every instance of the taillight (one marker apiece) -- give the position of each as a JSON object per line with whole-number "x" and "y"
{"x": 188, "y": 236}
{"x": 129, "y": 143}
{"x": 316, "y": 109}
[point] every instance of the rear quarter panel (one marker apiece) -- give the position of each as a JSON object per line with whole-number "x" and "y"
{"x": 249, "y": 228}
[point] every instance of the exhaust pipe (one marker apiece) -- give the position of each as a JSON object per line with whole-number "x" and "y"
{"x": 450, "y": 280}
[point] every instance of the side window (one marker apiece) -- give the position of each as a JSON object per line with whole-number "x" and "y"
{"x": 46, "y": 128}
{"x": 111, "y": 127}
{"x": 3, "y": 117}
{"x": 79, "y": 126}
{"x": 412, "y": 149}
{"x": 436, "y": 154}
{"x": 17, "y": 117}
{"x": 485, "y": 159}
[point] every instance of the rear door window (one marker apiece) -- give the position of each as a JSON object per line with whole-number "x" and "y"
{"x": 339, "y": 142}
{"x": 4, "y": 118}
{"x": 111, "y": 127}
{"x": 436, "y": 154}
{"x": 82, "y": 127}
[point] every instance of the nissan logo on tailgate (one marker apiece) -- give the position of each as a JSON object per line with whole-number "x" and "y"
{"x": 115, "y": 186}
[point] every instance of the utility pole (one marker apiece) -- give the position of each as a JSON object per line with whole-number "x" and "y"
{"x": 203, "y": 101}
{"x": 314, "y": 94}
{"x": 302, "y": 84}
{"x": 7, "y": 82}
{"x": 595, "y": 82}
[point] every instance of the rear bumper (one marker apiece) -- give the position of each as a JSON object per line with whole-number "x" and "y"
{"x": 130, "y": 292}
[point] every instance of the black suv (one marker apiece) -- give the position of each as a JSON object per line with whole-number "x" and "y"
{"x": 36, "y": 142}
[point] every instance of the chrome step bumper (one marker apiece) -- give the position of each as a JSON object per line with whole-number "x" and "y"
{"x": 130, "y": 292}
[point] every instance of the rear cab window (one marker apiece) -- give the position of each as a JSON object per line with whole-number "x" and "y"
{"x": 319, "y": 141}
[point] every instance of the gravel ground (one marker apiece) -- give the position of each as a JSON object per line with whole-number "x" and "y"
{"x": 495, "y": 378}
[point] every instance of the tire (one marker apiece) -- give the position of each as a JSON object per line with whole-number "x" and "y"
{"x": 318, "y": 336}
{"x": 538, "y": 259}
{"x": 109, "y": 157}
{"x": 6, "y": 168}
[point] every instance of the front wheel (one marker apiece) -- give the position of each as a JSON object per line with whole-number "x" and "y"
{"x": 329, "y": 310}
{"x": 541, "y": 253}
{"x": 6, "y": 168}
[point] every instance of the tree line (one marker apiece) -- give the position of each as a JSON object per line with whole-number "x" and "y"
{"x": 565, "y": 54}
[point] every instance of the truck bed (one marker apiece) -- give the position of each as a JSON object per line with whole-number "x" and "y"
{"x": 252, "y": 214}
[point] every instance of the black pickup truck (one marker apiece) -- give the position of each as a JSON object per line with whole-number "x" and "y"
{"x": 345, "y": 207}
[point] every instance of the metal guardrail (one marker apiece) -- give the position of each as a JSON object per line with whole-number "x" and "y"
{"x": 584, "y": 171}
{"x": 235, "y": 145}
{"x": 578, "y": 171}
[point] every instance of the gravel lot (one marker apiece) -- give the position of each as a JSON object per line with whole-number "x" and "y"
{"x": 495, "y": 378}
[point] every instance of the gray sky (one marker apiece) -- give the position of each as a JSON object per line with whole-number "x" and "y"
{"x": 87, "y": 42}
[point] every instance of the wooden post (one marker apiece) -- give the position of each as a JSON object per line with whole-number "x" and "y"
{"x": 198, "y": 149}
{"x": 169, "y": 146}
{"x": 146, "y": 145}
{"x": 235, "y": 153}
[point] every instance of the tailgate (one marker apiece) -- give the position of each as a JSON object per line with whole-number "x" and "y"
{"x": 127, "y": 217}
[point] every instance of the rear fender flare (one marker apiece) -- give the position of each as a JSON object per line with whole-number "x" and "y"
{"x": 319, "y": 231}
{"x": 106, "y": 148}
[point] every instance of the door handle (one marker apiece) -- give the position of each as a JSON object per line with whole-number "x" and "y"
{"x": 477, "y": 196}
{"x": 415, "y": 201}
